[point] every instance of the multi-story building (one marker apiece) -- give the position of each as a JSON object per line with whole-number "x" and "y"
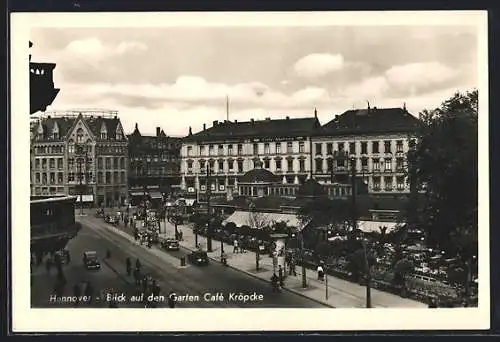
{"x": 81, "y": 153}
{"x": 231, "y": 148}
{"x": 375, "y": 140}
{"x": 154, "y": 163}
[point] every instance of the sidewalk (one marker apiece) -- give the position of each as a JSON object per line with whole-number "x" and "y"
{"x": 341, "y": 293}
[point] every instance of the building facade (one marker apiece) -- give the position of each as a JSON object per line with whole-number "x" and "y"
{"x": 154, "y": 161}
{"x": 376, "y": 141}
{"x": 231, "y": 149}
{"x": 82, "y": 153}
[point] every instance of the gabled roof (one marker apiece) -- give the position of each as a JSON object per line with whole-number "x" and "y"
{"x": 371, "y": 120}
{"x": 257, "y": 128}
{"x": 259, "y": 175}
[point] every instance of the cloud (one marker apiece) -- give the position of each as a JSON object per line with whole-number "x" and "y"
{"x": 419, "y": 75}
{"x": 94, "y": 49}
{"x": 318, "y": 64}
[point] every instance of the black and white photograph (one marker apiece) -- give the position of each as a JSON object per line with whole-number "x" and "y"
{"x": 183, "y": 163}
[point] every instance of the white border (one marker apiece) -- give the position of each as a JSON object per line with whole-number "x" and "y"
{"x": 26, "y": 319}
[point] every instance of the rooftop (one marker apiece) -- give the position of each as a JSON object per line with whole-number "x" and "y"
{"x": 371, "y": 120}
{"x": 257, "y": 128}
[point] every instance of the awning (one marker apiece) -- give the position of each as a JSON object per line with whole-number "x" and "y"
{"x": 245, "y": 218}
{"x": 156, "y": 195}
{"x": 374, "y": 226}
{"x": 85, "y": 198}
{"x": 137, "y": 193}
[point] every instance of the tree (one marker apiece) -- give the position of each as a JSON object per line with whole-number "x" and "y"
{"x": 445, "y": 165}
{"x": 325, "y": 212}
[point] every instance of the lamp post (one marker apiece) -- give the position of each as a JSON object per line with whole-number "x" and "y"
{"x": 368, "y": 276}
{"x": 304, "y": 277}
{"x": 209, "y": 226}
{"x": 353, "y": 189}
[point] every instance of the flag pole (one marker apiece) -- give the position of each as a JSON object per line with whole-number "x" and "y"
{"x": 227, "y": 107}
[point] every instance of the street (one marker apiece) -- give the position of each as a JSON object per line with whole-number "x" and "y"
{"x": 196, "y": 286}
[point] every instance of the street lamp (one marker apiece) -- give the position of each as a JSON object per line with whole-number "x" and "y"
{"x": 368, "y": 276}
{"x": 209, "y": 226}
{"x": 353, "y": 189}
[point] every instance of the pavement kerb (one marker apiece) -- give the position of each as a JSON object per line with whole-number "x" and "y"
{"x": 266, "y": 281}
{"x": 122, "y": 277}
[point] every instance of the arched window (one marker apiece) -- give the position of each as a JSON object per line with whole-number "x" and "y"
{"x": 79, "y": 136}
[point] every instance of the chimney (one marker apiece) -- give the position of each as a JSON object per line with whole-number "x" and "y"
{"x": 190, "y": 131}
{"x": 235, "y": 121}
{"x": 268, "y": 119}
{"x": 158, "y": 130}
{"x": 48, "y": 117}
{"x": 136, "y": 126}
{"x": 288, "y": 118}
{"x": 215, "y": 123}
{"x": 204, "y": 126}
{"x": 315, "y": 113}
{"x": 252, "y": 121}
{"x": 404, "y": 106}
{"x": 336, "y": 117}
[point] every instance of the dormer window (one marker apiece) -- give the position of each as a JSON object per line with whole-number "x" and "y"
{"x": 104, "y": 132}
{"x": 56, "y": 135}
{"x": 119, "y": 132}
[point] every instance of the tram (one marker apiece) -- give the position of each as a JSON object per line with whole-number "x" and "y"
{"x": 52, "y": 223}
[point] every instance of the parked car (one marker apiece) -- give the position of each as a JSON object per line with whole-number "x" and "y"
{"x": 198, "y": 258}
{"x": 91, "y": 261}
{"x": 170, "y": 244}
{"x": 62, "y": 255}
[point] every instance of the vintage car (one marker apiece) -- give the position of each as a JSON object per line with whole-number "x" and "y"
{"x": 170, "y": 244}
{"x": 91, "y": 261}
{"x": 99, "y": 212}
{"x": 112, "y": 220}
{"x": 198, "y": 258}
{"x": 62, "y": 255}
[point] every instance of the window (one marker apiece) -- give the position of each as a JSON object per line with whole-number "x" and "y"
{"x": 266, "y": 164}
{"x": 399, "y": 146}
{"x": 190, "y": 166}
{"x": 44, "y": 164}
{"x": 278, "y": 165}
{"x": 318, "y": 149}
{"x": 122, "y": 163}
{"x": 290, "y": 165}
{"x": 341, "y": 146}
{"x": 352, "y": 148}
{"x": 400, "y": 182}
{"x": 190, "y": 151}
{"x": 412, "y": 143}
{"x": 115, "y": 163}
{"x": 52, "y": 163}
{"x": 202, "y": 150}
{"x": 56, "y": 135}
{"x": 52, "y": 178}
{"x": 240, "y": 166}
{"x": 103, "y": 135}
{"x": 364, "y": 164}
{"x": 230, "y": 150}
{"x": 330, "y": 165}
{"x": 255, "y": 149}
{"x": 399, "y": 164}
{"x": 319, "y": 165}
{"x": 329, "y": 148}
{"x": 267, "y": 149}
{"x": 221, "y": 165}
{"x": 302, "y": 165}
{"x": 289, "y": 147}
{"x": 376, "y": 164}
{"x": 71, "y": 148}
{"x": 388, "y": 183}
{"x": 211, "y": 165}
{"x": 230, "y": 165}
{"x": 37, "y": 178}
{"x": 388, "y": 164}
{"x": 79, "y": 136}
{"x": 99, "y": 177}
{"x": 202, "y": 165}
{"x": 278, "y": 148}
{"x": 301, "y": 147}
{"x": 364, "y": 147}
{"x": 108, "y": 177}
{"x": 37, "y": 164}
{"x": 71, "y": 163}
{"x": 221, "y": 150}
{"x": 211, "y": 150}
{"x": 240, "y": 149}
{"x": 60, "y": 178}
{"x": 376, "y": 183}
{"x": 122, "y": 178}
{"x": 387, "y": 146}
{"x": 341, "y": 163}
{"x": 99, "y": 163}
{"x": 71, "y": 177}
{"x": 59, "y": 163}
{"x": 115, "y": 177}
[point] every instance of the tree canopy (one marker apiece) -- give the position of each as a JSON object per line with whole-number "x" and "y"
{"x": 325, "y": 212}
{"x": 445, "y": 165}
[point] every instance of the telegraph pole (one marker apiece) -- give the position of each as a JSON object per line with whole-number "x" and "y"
{"x": 209, "y": 226}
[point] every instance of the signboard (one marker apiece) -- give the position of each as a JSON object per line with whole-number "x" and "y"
{"x": 85, "y": 198}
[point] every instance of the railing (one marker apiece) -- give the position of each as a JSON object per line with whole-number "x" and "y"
{"x": 88, "y": 112}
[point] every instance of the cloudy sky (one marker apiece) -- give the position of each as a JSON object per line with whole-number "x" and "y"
{"x": 180, "y": 77}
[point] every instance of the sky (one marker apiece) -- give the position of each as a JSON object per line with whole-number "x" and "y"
{"x": 177, "y": 77}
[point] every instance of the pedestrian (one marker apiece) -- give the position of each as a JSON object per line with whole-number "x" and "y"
{"x": 48, "y": 265}
{"x": 291, "y": 267}
{"x": 275, "y": 282}
{"x": 138, "y": 264}
{"x": 235, "y": 246}
{"x": 281, "y": 276}
{"x": 171, "y": 300}
{"x": 321, "y": 273}
{"x": 137, "y": 276}
{"x": 128, "y": 263}
{"x": 68, "y": 256}
{"x": 181, "y": 235}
